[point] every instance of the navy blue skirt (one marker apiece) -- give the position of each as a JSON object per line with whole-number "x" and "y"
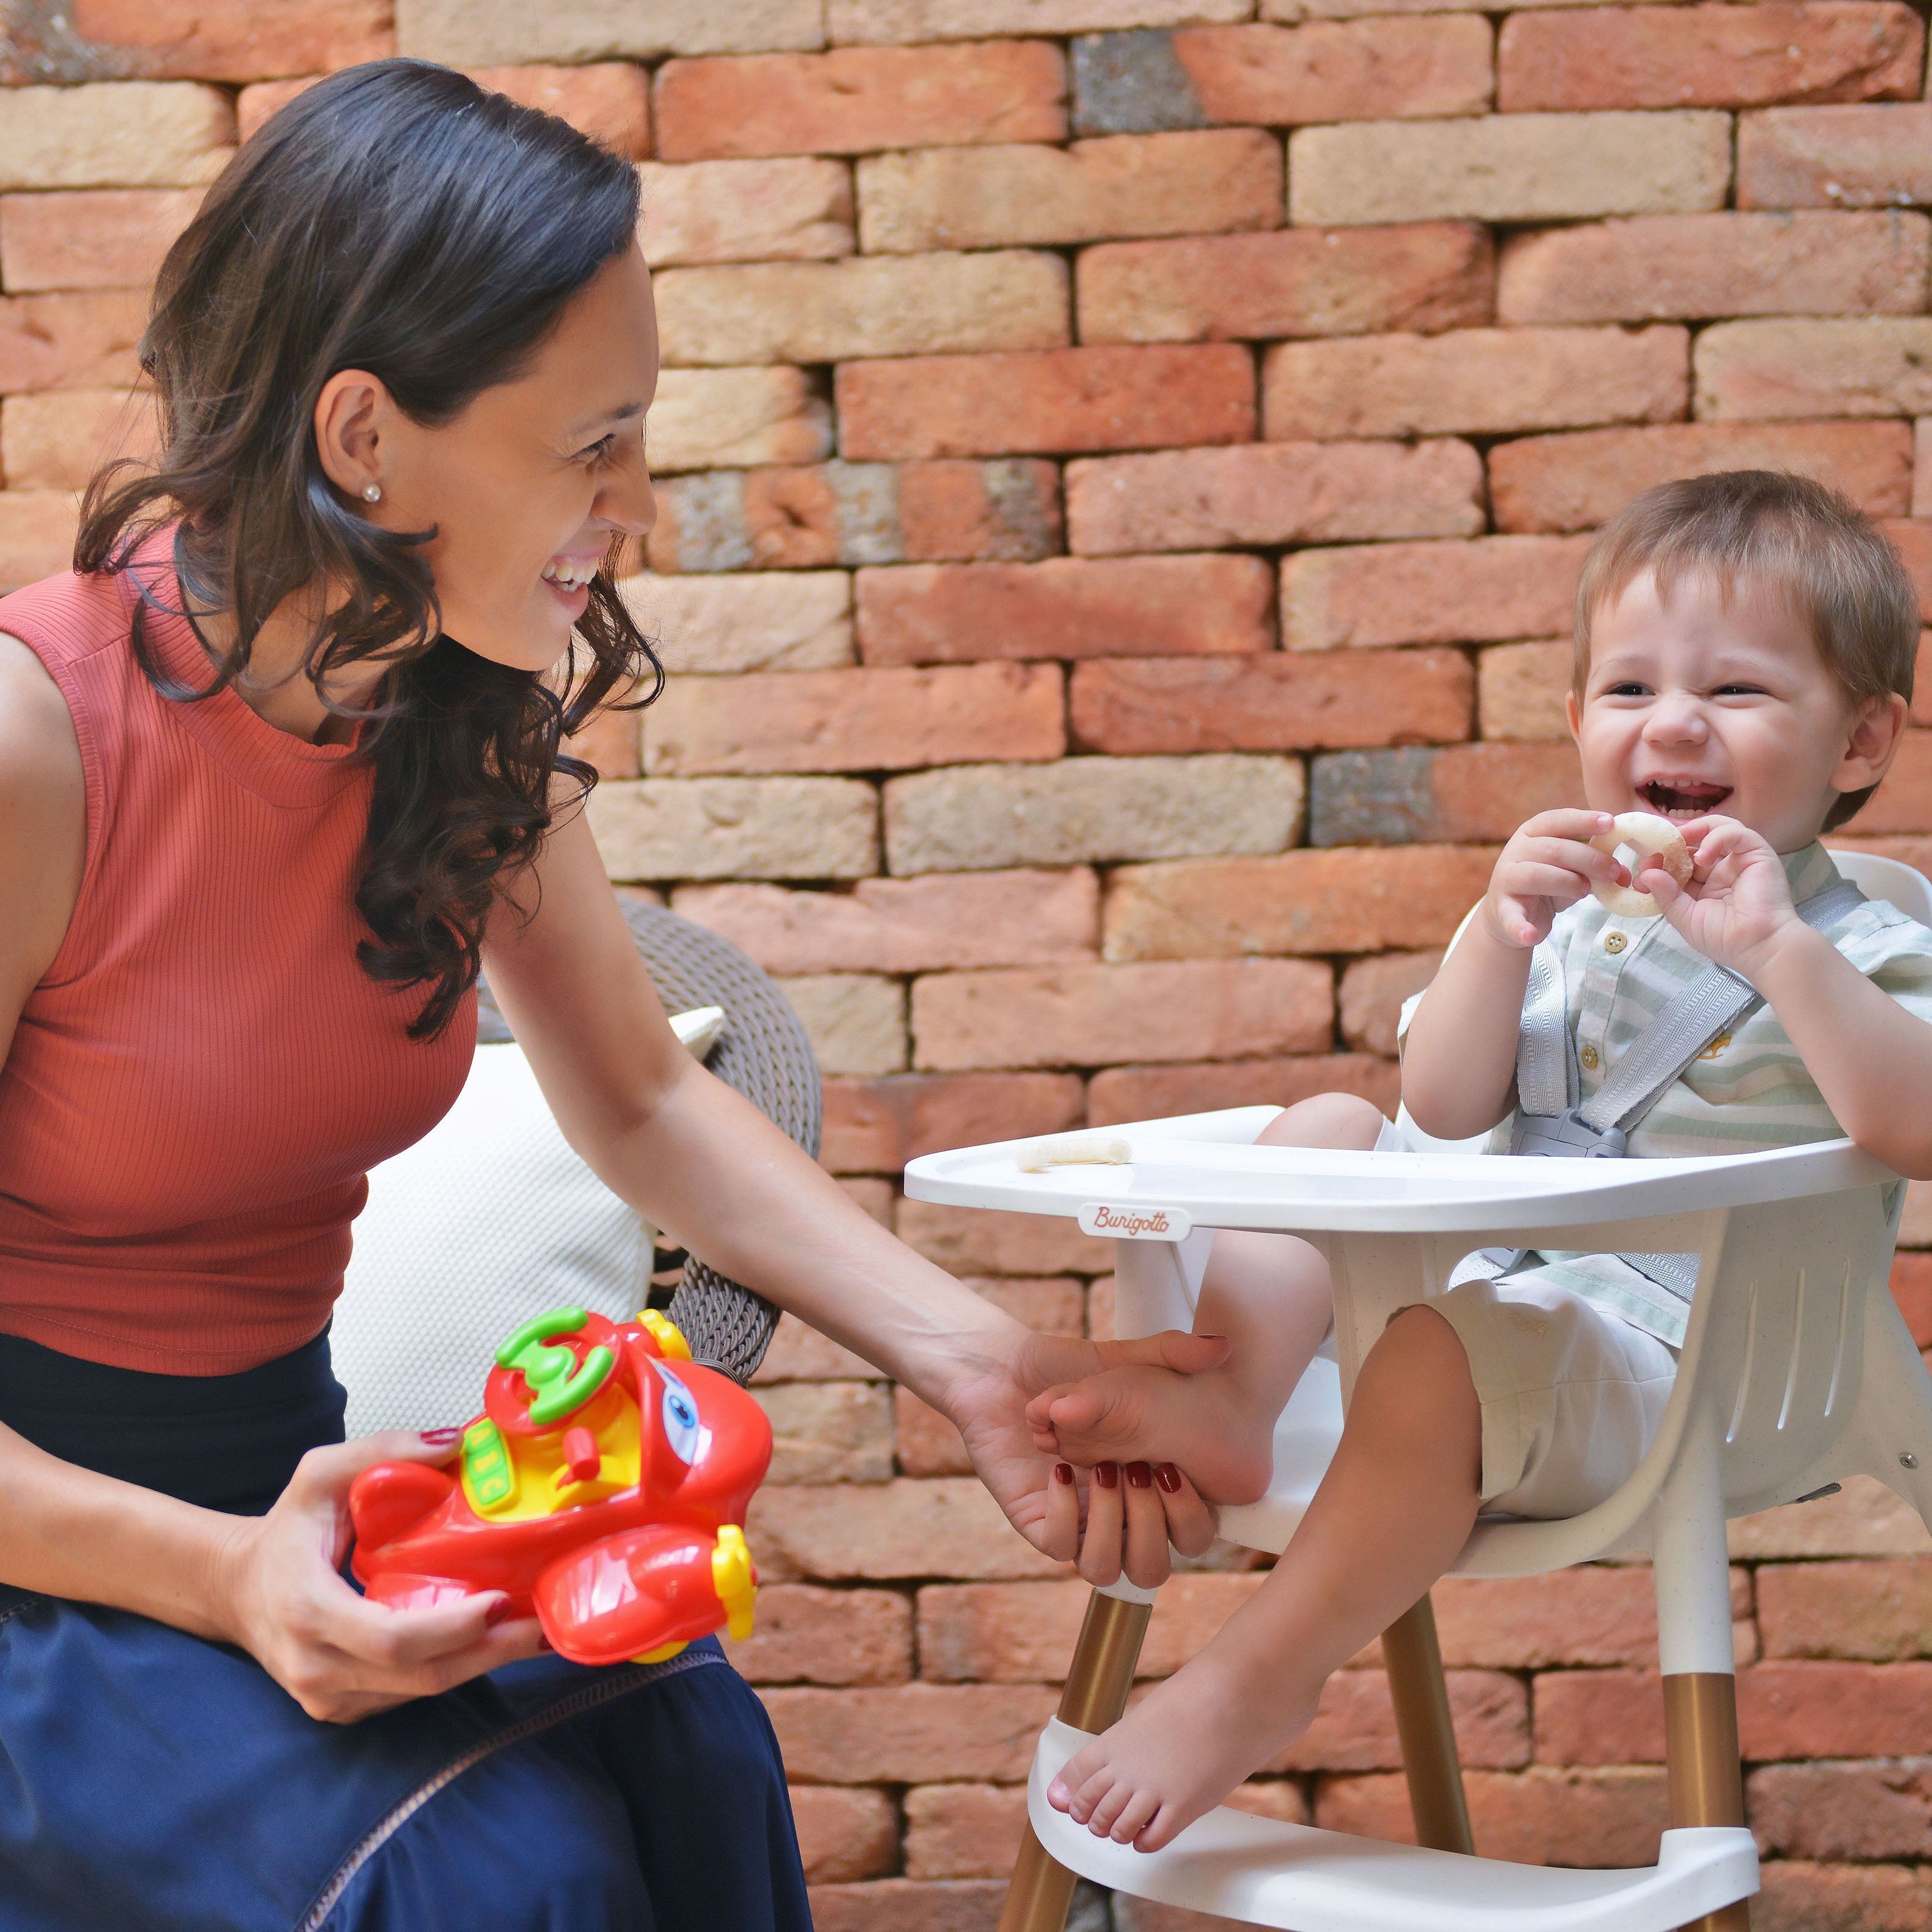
{"x": 151, "y": 1782}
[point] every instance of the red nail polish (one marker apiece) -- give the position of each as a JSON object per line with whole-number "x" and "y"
{"x": 1141, "y": 1475}
{"x": 1063, "y": 1472}
{"x": 440, "y": 1439}
{"x": 497, "y": 1612}
{"x": 1107, "y": 1474}
{"x": 1168, "y": 1477}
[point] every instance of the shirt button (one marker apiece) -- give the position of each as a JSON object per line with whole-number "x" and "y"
{"x": 1588, "y": 1058}
{"x": 1614, "y": 942}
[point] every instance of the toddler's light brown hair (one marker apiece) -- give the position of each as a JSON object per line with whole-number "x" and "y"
{"x": 1784, "y": 533}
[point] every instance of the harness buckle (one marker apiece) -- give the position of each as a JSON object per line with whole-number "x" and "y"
{"x": 1565, "y": 1135}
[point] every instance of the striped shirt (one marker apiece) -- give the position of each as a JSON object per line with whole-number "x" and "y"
{"x": 1748, "y": 1090}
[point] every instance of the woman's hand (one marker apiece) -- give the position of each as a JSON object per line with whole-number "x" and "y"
{"x": 1128, "y": 1525}
{"x": 338, "y": 1655}
{"x": 1737, "y": 908}
{"x": 1548, "y": 864}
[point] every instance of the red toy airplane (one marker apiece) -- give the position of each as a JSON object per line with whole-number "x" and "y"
{"x": 602, "y": 1488}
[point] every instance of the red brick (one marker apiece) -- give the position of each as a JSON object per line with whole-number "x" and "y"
{"x": 1480, "y": 381}
{"x": 1001, "y": 299}
{"x": 37, "y": 533}
{"x": 1659, "y": 266}
{"x": 1274, "y": 493}
{"x": 1576, "y": 482}
{"x": 1597, "y": 1614}
{"x": 609, "y": 100}
{"x": 1834, "y": 1710}
{"x": 1853, "y": 366}
{"x": 1332, "y": 901}
{"x": 57, "y": 440}
{"x": 1041, "y": 401}
{"x": 909, "y": 1905}
{"x": 1600, "y": 1717}
{"x": 209, "y": 40}
{"x": 875, "y": 1127}
{"x": 1025, "y": 1633}
{"x": 1338, "y": 70}
{"x": 1903, "y": 802}
{"x": 915, "y": 1733}
{"x": 795, "y": 208}
{"x": 1296, "y": 282}
{"x": 879, "y": 1531}
{"x": 1876, "y": 1611}
{"x": 1025, "y": 195}
{"x": 1459, "y": 792}
{"x": 1799, "y": 1897}
{"x": 844, "y": 1834}
{"x": 90, "y": 238}
{"x": 1155, "y": 1093}
{"x": 1912, "y": 1289}
{"x": 800, "y": 1354}
{"x": 1096, "y": 1016}
{"x": 1487, "y": 590}
{"x": 1272, "y": 703}
{"x": 964, "y": 1831}
{"x": 807, "y": 1635}
{"x": 1708, "y": 56}
{"x": 795, "y": 517}
{"x": 1371, "y": 994}
{"x": 843, "y": 721}
{"x": 968, "y": 1241}
{"x": 1844, "y": 1811}
{"x": 855, "y": 99}
{"x": 612, "y": 741}
{"x": 1064, "y": 607}
{"x": 907, "y": 925}
{"x": 1520, "y": 690}
{"x": 1834, "y": 156}
{"x": 1354, "y": 1724}
{"x": 1912, "y": 537}
{"x": 929, "y": 1444}
{"x": 81, "y": 341}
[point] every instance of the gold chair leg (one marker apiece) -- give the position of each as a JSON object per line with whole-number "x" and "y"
{"x": 1097, "y": 1683}
{"x": 1707, "y": 1783}
{"x": 1414, "y": 1659}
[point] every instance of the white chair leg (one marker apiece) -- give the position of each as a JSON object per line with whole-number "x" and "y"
{"x": 1694, "y": 1649}
{"x": 1098, "y": 1680}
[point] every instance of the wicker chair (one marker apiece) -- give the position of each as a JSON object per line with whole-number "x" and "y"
{"x": 412, "y": 1307}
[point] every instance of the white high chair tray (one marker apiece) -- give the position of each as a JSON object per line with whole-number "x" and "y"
{"x": 1216, "y": 1184}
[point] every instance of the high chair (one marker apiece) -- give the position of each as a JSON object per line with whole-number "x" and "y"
{"x": 1798, "y": 1372}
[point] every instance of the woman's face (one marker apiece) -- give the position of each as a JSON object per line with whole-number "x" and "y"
{"x": 528, "y": 487}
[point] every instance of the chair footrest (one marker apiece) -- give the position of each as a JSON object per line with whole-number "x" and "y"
{"x": 1295, "y": 1877}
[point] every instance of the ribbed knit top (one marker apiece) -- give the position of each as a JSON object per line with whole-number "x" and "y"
{"x": 198, "y": 1086}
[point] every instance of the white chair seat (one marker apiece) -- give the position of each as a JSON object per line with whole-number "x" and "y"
{"x": 1297, "y": 1877}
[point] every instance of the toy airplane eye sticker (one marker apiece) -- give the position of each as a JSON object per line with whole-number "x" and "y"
{"x": 681, "y": 1425}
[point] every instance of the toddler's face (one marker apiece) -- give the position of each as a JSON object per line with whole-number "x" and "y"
{"x": 1698, "y": 705}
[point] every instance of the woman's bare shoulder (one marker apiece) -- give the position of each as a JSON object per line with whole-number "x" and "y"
{"x": 42, "y": 822}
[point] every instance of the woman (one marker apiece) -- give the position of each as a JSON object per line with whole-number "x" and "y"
{"x": 261, "y": 819}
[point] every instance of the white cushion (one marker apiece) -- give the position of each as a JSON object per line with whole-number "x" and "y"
{"x": 489, "y": 1219}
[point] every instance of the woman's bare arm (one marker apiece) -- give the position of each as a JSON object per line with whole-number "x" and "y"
{"x": 699, "y": 1159}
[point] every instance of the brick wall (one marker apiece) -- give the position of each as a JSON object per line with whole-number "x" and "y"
{"x": 1125, "y": 464}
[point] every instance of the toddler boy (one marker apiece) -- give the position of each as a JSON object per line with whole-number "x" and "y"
{"x": 1744, "y": 663}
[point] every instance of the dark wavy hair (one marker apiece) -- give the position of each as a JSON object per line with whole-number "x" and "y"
{"x": 395, "y": 217}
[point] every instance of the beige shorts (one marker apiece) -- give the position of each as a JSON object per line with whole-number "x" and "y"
{"x": 1572, "y": 1395}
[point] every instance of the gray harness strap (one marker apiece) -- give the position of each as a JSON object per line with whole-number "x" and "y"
{"x": 1549, "y": 1120}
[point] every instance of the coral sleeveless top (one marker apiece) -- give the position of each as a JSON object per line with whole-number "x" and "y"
{"x": 197, "y": 1087}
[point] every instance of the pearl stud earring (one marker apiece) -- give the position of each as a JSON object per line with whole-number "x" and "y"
{"x": 372, "y": 493}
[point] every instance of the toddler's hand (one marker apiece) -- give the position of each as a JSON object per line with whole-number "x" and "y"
{"x": 1548, "y": 864}
{"x": 1738, "y": 905}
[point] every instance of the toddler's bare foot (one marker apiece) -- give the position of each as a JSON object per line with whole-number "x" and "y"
{"x": 1178, "y": 1753}
{"x": 1199, "y": 1422}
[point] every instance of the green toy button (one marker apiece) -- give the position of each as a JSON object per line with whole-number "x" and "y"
{"x": 558, "y": 1382}
{"x": 491, "y": 1479}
